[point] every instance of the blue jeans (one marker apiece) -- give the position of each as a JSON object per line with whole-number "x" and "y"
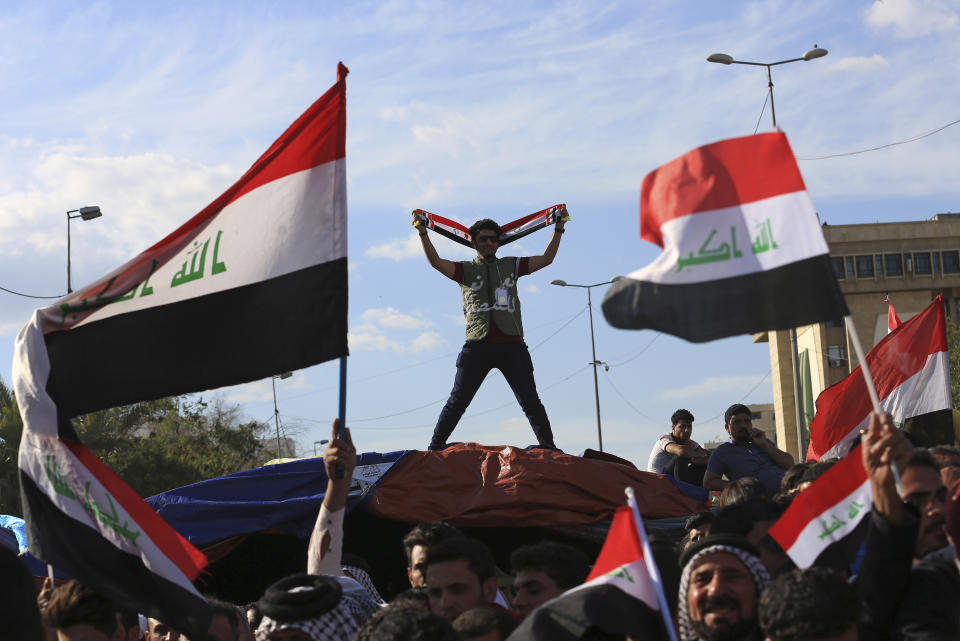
{"x": 475, "y": 360}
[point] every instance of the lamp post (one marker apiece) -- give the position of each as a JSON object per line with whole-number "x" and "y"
{"x": 724, "y": 59}
{"x": 276, "y": 410}
{"x": 85, "y": 213}
{"x": 811, "y": 54}
{"x": 593, "y": 347}
{"x": 316, "y": 443}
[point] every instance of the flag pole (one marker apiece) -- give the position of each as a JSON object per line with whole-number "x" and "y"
{"x": 871, "y": 388}
{"x": 342, "y": 410}
{"x": 651, "y": 564}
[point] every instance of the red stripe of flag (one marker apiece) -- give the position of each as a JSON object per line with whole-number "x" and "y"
{"x": 716, "y": 176}
{"x": 181, "y": 553}
{"x": 622, "y": 545}
{"x": 837, "y": 483}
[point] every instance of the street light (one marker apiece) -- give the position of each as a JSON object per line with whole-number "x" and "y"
{"x": 316, "y": 443}
{"x": 276, "y": 410}
{"x": 85, "y": 213}
{"x": 593, "y": 348}
{"x": 810, "y": 54}
{"x": 725, "y": 59}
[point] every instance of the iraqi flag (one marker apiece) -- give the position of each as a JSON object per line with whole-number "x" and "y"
{"x": 911, "y": 371}
{"x": 253, "y": 285}
{"x": 826, "y": 512}
{"x": 620, "y": 597}
{"x": 742, "y": 247}
{"x": 893, "y": 321}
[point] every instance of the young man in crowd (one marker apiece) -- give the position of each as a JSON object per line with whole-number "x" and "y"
{"x": 460, "y": 576}
{"x": 747, "y": 453}
{"x": 677, "y": 454}
{"x": 922, "y": 486}
{"x": 484, "y": 623}
{"x": 79, "y": 613}
{"x": 545, "y": 570}
{"x": 719, "y": 590}
{"x": 418, "y": 541}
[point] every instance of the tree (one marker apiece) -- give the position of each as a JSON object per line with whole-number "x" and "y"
{"x": 953, "y": 348}
{"x": 154, "y": 446}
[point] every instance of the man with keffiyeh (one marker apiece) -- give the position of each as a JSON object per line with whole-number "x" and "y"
{"x": 494, "y": 329}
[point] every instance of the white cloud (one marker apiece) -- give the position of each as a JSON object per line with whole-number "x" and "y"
{"x": 860, "y": 63}
{"x": 913, "y": 18}
{"x": 379, "y": 342}
{"x": 392, "y": 318}
{"x": 713, "y": 386}
{"x": 530, "y": 288}
{"x": 397, "y": 249}
{"x": 427, "y": 341}
{"x": 262, "y": 390}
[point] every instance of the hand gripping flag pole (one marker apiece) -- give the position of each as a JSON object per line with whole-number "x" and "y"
{"x": 510, "y": 232}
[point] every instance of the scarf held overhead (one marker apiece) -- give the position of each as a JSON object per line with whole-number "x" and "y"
{"x": 509, "y": 232}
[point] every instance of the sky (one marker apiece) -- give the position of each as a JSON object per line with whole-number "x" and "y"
{"x": 468, "y": 110}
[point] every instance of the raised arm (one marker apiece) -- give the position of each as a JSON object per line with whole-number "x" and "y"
{"x": 539, "y": 262}
{"x": 326, "y": 541}
{"x": 442, "y": 265}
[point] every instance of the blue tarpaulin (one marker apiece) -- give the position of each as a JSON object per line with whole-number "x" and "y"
{"x": 284, "y": 497}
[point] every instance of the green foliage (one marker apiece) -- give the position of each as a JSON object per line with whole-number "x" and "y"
{"x": 154, "y": 446}
{"x": 953, "y": 347}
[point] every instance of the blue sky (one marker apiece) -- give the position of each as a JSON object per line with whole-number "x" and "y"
{"x": 469, "y": 110}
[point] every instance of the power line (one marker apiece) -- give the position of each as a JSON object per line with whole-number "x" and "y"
{"x": 891, "y": 144}
{"x": 10, "y": 291}
{"x": 766, "y": 97}
{"x": 637, "y": 355}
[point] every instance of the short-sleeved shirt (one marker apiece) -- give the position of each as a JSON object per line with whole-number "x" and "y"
{"x": 495, "y": 335}
{"x": 737, "y": 461}
{"x": 660, "y": 458}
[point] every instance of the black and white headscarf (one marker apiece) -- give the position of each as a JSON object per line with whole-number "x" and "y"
{"x": 757, "y": 570}
{"x": 313, "y": 604}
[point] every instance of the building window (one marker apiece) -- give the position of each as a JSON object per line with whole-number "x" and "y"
{"x": 848, "y": 261}
{"x": 878, "y": 264}
{"x": 865, "y": 266}
{"x": 951, "y": 262}
{"x": 836, "y": 355}
{"x": 936, "y": 262}
{"x": 893, "y": 264}
{"x": 837, "y": 267}
{"x": 921, "y": 263}
{"x": 756, "y": 416}
{"x": 834, "y": 323}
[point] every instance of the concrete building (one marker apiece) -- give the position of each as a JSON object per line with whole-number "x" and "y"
{"x": 764, "y": 418}
{"x": 912, "y": 262}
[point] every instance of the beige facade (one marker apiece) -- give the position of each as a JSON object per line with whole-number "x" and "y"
{"x": 764, "y": 418}
{"x": 912, "y": 262}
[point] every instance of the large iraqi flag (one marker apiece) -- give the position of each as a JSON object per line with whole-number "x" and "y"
{"x": 911, "y": 371}
{"x": 253, "y": 285}
{"x": 742, "y": 247}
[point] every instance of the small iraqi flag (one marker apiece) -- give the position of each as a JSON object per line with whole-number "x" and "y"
{"x": 253, "y": 285}
{"x": 893, "y": 321}
{"x": 911, "y": 371}
{"x": 826, "y": 512}
{"x": 742, "y": 247}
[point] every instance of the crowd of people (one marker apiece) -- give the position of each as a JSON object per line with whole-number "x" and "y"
{"x": 726, "y": 579}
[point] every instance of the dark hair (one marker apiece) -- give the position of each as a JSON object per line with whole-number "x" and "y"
{"x": 805, "y": 605}
{"x": 257, "y": 614}
{"x": 743, "y": 489}
{"x": 923, "y": 458}
{"x": 476, "y": 554}
{"x": 565, "y": 564}
{"x": 428, "y": 534}
{"x": 232, "y": 612}
{"x": 19, "y": 616}
{"x": 482, "y": 620}
{"x": 791, "y": 478}
{"x": 733, "y": 410}
{"x": 816, "y": 470}
{"x": 73, "y": 604}
{"x": 482, "y": 224}
{"x": 944, "y": 450}
{"x": 698, "y": 520}
{"x": 739, "y": 518}
{"x": 413, "y": 595}
{"x": 681, "y": 415}
{"x": 406, "y": 622}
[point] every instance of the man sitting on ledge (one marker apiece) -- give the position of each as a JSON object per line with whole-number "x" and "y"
{"x": 748, "y": 453}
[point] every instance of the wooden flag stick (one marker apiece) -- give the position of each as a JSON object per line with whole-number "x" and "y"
{"x": 871, "y": 388}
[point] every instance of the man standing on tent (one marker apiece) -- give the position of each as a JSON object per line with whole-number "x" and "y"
{"x": 494, "y": 329}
